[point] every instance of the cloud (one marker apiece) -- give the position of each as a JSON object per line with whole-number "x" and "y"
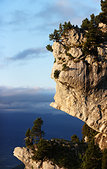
{"x": 10, "y": 91}
{"x": 60, "y": 8}
{"x": 19, "y": 17}
{"x": 65, "y": 10}
{"x": 26, "y": 20}
{"x": 29, "y": 54}
{"x": 25, "y": 99}
{"x": 17, "y": 20}
{"x": 64, "y": 7}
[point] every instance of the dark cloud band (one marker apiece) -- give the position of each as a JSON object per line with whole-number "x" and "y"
{"x": 29, "y": 53}
{"x": 24, "y": 99}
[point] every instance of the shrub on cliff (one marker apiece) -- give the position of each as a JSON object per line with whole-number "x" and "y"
{"x": 92, "y": 158}
{"x": 60, "y": 34}
{"x": 34, "y": 135}
{"x": 74, "y": 139}
{"x": 103, "y": 14}
{"x": 94, "y": 36}
{"x": 56, "y": 74}
{"x": 36, "y": 130}
{"x": 49, "y": 48}
{"x": 63, "y": 29}
{"x": 65, "y": 153}
{"x": 43, "y": 151}
{"x": 88, "y": 132}
{"x": 28, "y": 139}
{"x": 85, "y": 24}
{"x": 56, "y": 152}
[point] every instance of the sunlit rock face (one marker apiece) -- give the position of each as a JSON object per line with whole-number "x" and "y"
{"x": 81, "y": 86}
{"x": 101, "y": 140}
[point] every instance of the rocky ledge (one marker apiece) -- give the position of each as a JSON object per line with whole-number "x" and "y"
{"x": 25, "y": 155}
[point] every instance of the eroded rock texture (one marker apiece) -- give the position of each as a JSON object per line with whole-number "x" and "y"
{"x": 81, "y": 86}
{"x": 81, "y": 90}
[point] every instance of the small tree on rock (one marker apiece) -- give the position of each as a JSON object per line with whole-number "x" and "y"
{"x": 28, "y": 139}
{"x": 88, "y": 132}
{"x": 74, "y": 139}
{"x": 85, "y": 24}
{"x": 36, "y": 130}
{"x": 49, "y": 48}
{"x": 34, "y": 135}
{"x": 92, "y": 157}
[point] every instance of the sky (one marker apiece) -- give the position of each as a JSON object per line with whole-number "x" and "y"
{"x": 24, "y": 33}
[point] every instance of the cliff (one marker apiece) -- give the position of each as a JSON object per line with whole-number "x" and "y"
{"x": 81, "y": 82}
{"x": 81, "y": 89}
{"x": 25, "y": 155}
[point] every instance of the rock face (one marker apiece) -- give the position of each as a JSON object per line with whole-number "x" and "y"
{"x": 81, "y": 90}
{"x": 25, "y": 155}
{"x": 81, "y": 86}
{"x": 101, "y": 140}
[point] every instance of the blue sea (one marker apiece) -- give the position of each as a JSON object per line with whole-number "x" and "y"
{"x": 15, "y": 121}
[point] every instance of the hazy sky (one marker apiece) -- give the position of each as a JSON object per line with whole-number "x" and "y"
{"x": 24, "y": 29}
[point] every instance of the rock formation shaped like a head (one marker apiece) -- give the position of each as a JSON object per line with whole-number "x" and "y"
{"x": 81, "y": 84}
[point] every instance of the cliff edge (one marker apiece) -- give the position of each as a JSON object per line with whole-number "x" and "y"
{"x": 81, "y": 82}
{"x": 25, "y": 155}
{"x": 81, "y": 89}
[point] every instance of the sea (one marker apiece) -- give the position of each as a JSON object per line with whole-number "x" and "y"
{"x": 15, "y": 120}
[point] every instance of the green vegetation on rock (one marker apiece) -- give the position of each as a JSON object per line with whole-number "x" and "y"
{"x": 36, "y": 130}
{"x": 85, "y": 24}
{"x": 58, "y": 152}
{"x": 94, "y": 36}
{"x": 92, "y": 158}
{"x": 74, "y": 139}
{"x": 62, "y": 31}
{"x": 56, "y": 74}
{"x": 103, "y": 14}
{"x": 49, "y": 47}
{"x": 74, "y": 154}
{"x": 34, "y": 135}
{"x": 88, "y": 132}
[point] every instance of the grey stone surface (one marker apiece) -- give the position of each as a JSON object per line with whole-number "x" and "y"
{"x": 81, "y": 88}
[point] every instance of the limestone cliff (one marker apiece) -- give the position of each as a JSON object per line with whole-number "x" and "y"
{"x": 81, "y": 89}
{"x": 25, "y": 155}
{"x": 81, "y": 83}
